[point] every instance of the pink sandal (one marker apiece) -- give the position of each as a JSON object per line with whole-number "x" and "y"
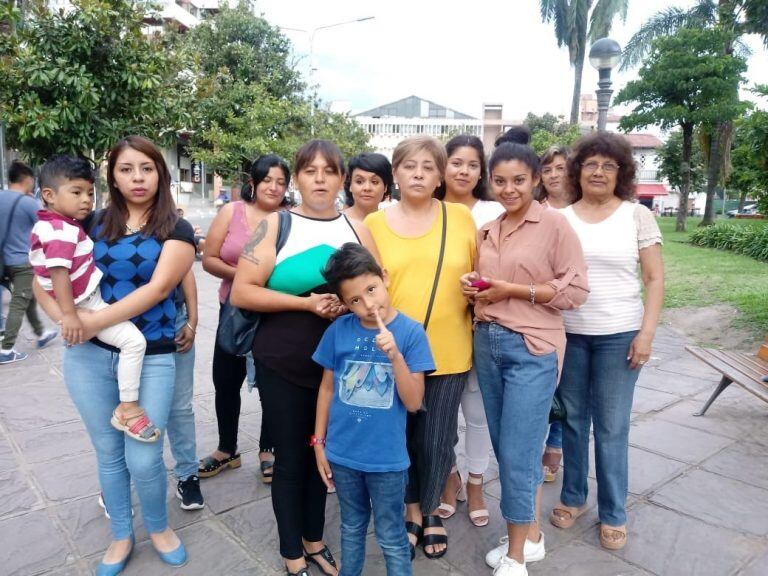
{"x": 142, "y": 429}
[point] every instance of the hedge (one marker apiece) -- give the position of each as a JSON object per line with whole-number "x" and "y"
{"x": 750, "y": 240}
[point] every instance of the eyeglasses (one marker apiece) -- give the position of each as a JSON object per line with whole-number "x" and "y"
{"x": 549, "y": 170}
{"x": 608, "y": 167}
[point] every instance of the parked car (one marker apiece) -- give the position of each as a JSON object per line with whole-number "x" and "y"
{"x": 748, "y": 209}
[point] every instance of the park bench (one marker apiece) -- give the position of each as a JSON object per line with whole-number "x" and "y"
{"x": 746, "y": 370}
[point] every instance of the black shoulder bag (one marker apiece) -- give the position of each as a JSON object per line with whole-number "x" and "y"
{"x": 4, "y": 279}
{"x": 237, "y": 327}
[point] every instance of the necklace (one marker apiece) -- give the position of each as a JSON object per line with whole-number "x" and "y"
{"x": 136, "y": 230}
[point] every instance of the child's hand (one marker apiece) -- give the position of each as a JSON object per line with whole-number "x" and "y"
{"x": 71, "y": 328}
{"x": 384, "y": 340}
{"x": 323, "y": 467}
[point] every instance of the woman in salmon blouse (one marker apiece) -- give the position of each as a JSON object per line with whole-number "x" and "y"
{"x": 529, "y": 267}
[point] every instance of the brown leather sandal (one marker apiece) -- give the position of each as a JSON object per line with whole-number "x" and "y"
{"x": 565, "y": 516}
{"x": 613, "y": 537}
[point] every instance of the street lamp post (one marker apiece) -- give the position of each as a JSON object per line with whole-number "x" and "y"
{"x": 604, "y": 55}
{"x": 311, "y": 33}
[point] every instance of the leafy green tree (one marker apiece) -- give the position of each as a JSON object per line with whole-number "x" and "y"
{"x": 77, "y": 82}
{"x": 550, "y": 130}
{"x": 686, "y": 81}
{"x": 734, "y": 19}
{"x": 672, "y": 164}
{"x": 250, "y": 100}
{"x": 575, "y": 22}
{"x": 750, "y": 157}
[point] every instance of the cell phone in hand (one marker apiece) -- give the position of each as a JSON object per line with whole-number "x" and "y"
{"x": 480, "y": 285}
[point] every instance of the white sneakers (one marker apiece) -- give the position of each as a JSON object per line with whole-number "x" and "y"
{"x": 509, "y": 567}
{"x": 533, "y": 552}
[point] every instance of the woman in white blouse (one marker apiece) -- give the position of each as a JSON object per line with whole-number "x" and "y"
{"x": 609, "y": 338}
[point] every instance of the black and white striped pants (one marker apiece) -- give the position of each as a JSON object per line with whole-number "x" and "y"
{"x": 431, "y": 434}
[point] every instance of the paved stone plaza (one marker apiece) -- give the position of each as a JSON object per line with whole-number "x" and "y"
{"x": 698, "y": 503}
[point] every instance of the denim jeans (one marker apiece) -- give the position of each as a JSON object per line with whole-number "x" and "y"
{"x": 181, "y": 421}
{"x": 517, "y": 389}
{"x": 597, "y": 387}
{"x": 555, "y": 438}
{"x": 90, "y": 373}
{"x": 384, "y": 493}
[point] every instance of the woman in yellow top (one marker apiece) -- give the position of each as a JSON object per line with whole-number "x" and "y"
{"x": 426, "y": 245}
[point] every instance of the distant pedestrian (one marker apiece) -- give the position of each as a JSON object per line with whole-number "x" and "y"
{"x": 19, "y": 211}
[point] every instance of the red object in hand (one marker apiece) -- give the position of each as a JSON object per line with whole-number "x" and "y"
{"x": 480, "y": 285}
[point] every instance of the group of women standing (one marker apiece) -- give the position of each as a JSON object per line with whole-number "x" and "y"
{"x": 533, "y": 284}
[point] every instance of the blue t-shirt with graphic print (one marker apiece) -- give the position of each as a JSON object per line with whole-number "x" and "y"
{"x": 366, "y": 423}
{"x": 127, "y": 264}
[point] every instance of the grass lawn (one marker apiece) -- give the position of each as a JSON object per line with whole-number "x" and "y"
{"x": 703, "y": 276}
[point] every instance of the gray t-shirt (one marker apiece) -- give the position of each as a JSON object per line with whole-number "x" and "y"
{"x": 16, "y": 250}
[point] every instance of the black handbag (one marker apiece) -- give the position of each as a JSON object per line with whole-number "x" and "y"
{"x": 557, "y": 411}
{"x": 4, "y": 279}
{"x": 237, "y": 327}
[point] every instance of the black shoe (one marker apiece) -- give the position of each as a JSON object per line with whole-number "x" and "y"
{"x": 188, "y": 491}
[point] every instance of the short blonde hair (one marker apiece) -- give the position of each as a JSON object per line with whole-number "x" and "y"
{"x": 411, "y": 146}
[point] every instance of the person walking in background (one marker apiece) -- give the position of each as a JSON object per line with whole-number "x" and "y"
{"x": 610, "y": 337}
{"x": 19, "y": 214}
{"x": 229, "y": 231}
{"x": 466, "y": 182}
{"x": 426, "y": 246}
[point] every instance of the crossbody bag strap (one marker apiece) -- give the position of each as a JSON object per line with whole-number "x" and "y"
{"x": 10, "y": 221}
{"x": 439, "y": 266}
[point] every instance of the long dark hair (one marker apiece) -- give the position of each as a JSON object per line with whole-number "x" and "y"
{"x": 480, "y": 191}
{"x": 162, "y": 214}
{"x": 259, "y": 171}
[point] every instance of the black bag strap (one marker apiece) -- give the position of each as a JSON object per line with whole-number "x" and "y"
{"x": 10, "y": 221}
{"x": 439, "y": 266}
{"x": 283, "y": 229}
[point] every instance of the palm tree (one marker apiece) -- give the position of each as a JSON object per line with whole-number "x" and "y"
{"x": 576, "y": 21}
{"x": 735, "y": 18}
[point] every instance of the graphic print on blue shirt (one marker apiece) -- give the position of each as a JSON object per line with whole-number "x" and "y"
{"x": 129, "y": 263}
{"x": 366, "y": 421}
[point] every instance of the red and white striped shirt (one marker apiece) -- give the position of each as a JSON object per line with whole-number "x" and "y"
{"x": 60, "y": 242}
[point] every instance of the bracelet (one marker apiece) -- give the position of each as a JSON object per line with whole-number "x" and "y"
{"x": 532, "y": 292}
{"x": 315, "y": 440}
{"x": 190, "y": 327}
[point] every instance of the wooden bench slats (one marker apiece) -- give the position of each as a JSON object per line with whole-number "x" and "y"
{"x": 735, "y": 365}
{"x": 743, "y": 369}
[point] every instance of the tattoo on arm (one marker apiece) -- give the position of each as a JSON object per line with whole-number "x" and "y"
{"x": 255, "y": 240}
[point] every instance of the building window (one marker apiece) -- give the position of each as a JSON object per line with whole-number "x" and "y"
{"x": 184, "y": 175}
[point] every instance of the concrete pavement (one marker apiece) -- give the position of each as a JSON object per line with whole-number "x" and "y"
{"x": 698, "y": 503}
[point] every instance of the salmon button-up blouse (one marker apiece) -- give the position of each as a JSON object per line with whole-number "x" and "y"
{"x": 542, "y": 249}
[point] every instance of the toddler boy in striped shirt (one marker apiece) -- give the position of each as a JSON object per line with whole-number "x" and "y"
{"x": 61, "y": 254}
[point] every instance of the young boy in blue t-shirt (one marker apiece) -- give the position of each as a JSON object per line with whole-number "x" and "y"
{"x": 375, "y": 360}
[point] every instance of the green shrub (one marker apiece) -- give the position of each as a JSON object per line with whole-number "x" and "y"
{"x": 750, "y": 240}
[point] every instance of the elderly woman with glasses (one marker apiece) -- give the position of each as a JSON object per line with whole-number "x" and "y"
{"x": 609, "y": 338}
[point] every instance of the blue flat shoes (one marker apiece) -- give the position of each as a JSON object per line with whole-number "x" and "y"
{"x": 177, "y": 557}
{"x": 114, "y": 569}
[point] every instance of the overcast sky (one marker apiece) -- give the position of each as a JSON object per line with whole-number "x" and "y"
{"x": 458, "y": 54}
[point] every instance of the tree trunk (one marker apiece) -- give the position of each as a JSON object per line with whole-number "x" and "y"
{"x": 713, "y": 172}
{"x": 685, "y": 189}
{"x": 742, "y": 199}
{"x": 578, "y": 69}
